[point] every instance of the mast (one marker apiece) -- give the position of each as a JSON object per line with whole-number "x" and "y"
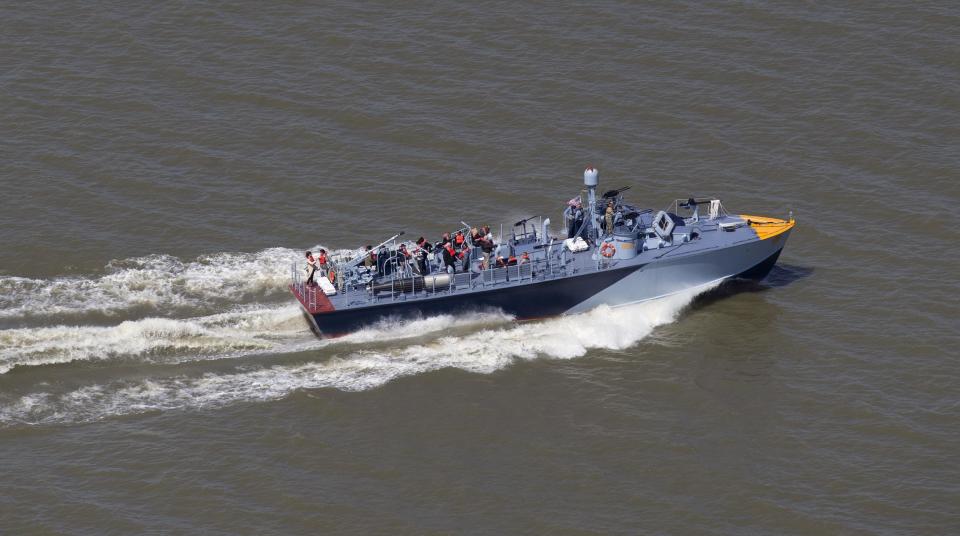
{"x": 591, "y": 178}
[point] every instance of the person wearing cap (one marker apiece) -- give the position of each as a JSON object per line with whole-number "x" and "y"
{"x": 423, "y": 244}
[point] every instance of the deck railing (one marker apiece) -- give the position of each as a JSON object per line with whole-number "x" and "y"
{"x": 553, "y": 263}
{"x": 309, "y": 299}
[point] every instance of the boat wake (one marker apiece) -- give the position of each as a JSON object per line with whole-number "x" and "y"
{"x": 480, "y": 343}
{"x": 155, "y": 283}
{"x": 248, "y": 331}
{"x": 156, "y": 340}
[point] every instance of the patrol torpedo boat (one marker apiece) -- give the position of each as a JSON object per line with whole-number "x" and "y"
{"x": 609, "y": 252}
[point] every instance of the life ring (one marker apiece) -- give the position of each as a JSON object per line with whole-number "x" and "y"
{"x": 332, "y": 276}
{"x": 608, "y": 249}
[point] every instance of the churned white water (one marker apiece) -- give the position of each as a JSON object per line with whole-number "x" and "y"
{"x": 246, "y": 330}
{"x": 156, "y": 282}
{"x": 490, "y": 346}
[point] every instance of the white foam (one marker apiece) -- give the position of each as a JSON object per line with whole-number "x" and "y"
{"x": 157, "y": 282}
{"x": 483, "y": 351}
{"x": 245, "y": 331}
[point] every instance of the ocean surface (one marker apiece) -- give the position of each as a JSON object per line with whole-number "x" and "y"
{"x": 163, "y": 164}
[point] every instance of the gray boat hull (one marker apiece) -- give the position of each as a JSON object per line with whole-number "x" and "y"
{"x": 674, "y": 271}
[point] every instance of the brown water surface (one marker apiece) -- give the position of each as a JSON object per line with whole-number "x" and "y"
{"x": 161, "y": 165}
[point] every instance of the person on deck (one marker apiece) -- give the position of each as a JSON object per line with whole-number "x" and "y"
{"x": 465, "y": 257}
{"x": 608, "y": 218}
{"x": 403, "y": 257}
{"x": 370, "y": 261}
{"x": 486, "y": 245}
{"x": 420, "y": 254}
{"x": 422, "y": 244}
{"x": 449, "y": 258}
{"x": 382, "y": 257}
{"x": 312, "y": 266}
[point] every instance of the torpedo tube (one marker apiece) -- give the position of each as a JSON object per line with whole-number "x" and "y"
{"x": 430, "y": 283}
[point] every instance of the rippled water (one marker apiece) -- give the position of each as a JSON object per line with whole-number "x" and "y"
{"x": 162, "y": 165}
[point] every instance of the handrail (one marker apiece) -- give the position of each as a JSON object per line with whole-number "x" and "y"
{"x": 545, "y": 264}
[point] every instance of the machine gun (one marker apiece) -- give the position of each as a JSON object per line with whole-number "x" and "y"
{"x": 610, "y": 194}
{"x": 523, "y": 224}
{"x": 359, "y": 258}
{"x": 692, "y": 202}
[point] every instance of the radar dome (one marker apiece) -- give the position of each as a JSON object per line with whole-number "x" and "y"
{"x": 591, "y": 177}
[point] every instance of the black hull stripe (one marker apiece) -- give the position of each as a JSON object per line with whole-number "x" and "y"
{"x": 537, "y": 300}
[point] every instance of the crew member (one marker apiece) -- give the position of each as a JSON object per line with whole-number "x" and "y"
{"x": 382, "y": 258}
{"x": 312, "y": 266}
{"x": 465, "y": 257}
{"x": 420, "y": 254}
{"x": 487, "y": 246}
{"x": 575, "y": 222}
{"x": 608, "y": 217}
{"x": 403, "y": 257}
{"x": 449, "y": 258}
{"x": 371, "y": 259}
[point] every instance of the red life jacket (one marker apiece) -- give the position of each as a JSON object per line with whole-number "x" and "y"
{"x": 460, "y": 239}
{"x": 322, "y": 260}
